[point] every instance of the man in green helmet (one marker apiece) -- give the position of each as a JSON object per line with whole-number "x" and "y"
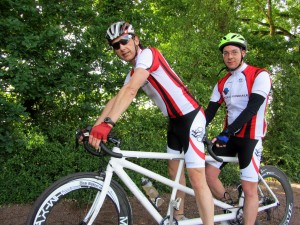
{"x": 244, "y": 90}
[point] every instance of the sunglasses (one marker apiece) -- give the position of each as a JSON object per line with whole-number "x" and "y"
{"x": 123, "y": 41}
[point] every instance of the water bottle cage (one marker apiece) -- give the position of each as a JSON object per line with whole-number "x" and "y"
{"x": 158, "y": 201}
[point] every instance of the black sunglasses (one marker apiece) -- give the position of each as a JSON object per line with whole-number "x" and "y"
{"x": 123, "y": 41}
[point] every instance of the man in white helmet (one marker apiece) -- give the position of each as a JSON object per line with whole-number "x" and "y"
{"x": 151, "y": 72}
{"x": 244, "y": 90}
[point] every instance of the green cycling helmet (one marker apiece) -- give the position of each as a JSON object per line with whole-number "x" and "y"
{"x": 233, "y": 39}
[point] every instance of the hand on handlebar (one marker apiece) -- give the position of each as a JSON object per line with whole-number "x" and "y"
{"x": 222, "y": 139}
{"x": 99, "y": 133}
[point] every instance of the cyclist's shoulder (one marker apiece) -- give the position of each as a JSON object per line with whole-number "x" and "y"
{"x": 222, "y": 80}
{"x": 151, "y": 49}
{"x": 254, "y": 70}
{"x": 150, "y": 53}
{"x": 146, "y": 51}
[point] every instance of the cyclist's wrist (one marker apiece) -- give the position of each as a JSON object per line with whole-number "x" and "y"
{"x": 109, "y": 121}
{"x": 226, "y": 132}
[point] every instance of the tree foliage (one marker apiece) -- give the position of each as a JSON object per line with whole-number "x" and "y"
{"x": 57, "y": 72}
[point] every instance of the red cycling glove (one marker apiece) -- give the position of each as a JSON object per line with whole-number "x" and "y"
{"x": 101, "y": 131}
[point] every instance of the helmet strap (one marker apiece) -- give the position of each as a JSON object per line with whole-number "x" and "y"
{"x": 224, "y": 68}
{"x": 136, "y": 47}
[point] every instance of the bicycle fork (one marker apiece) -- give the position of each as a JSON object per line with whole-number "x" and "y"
{"x": 99, "y": 199}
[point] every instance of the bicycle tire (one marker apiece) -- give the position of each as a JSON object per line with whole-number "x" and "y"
{"x": 280, "y": 185}
{"x": 67, "y": 201}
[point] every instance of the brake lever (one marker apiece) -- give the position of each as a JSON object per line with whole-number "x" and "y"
{"x": 84, "y": 133}
{"x": 209, "y": 149}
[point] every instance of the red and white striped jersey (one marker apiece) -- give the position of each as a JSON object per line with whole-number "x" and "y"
{"x": 235, "y": 88}
{"x": 163, "y": 85}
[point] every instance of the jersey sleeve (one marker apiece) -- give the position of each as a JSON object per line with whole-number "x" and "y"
{"x": 211, "y": 111}
{"x": 255, "y": 102}
{"x": 145, "y": 59}
{"x": 216, "y": 96}
{"x": 262, "y": 84}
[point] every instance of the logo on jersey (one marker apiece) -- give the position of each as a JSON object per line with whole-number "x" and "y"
{"x": 225, "y": 91}
{"x": 245, "y": 176}
{"x": 198, "y": 133}
{"x": 258, "y": 152}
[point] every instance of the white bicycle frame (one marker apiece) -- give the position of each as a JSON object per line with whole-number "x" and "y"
{"x": 117, "y": 165}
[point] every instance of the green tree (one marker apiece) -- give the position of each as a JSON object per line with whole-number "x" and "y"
{"x": 274, "y": 44}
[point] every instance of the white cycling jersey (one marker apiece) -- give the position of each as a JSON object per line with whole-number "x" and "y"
{"x": 235, "y": 93}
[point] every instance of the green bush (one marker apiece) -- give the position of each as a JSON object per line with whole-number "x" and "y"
{"x": 30, "y": 170}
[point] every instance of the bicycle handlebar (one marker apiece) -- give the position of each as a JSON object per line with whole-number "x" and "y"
{"x": 209, "y": 145}
{"x": 85, "y": 133}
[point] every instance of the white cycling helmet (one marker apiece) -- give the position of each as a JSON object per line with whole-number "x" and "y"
{"x": 117, "y": 29}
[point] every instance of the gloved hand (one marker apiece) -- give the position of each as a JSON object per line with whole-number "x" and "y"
{"x": 101, "y": 131}
{"x": 222, "y": 138}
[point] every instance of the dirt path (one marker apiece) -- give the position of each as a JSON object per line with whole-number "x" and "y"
{"x": 17, "y": 214}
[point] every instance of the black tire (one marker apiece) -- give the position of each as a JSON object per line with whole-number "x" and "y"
{"x": 68, "y": 200}
{"x": 279, "y": 184}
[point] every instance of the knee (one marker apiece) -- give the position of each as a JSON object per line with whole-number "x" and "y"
{"x": 250, "y": 191}
{"x": 197, "y": 178}
{"x": 199, "y": 184}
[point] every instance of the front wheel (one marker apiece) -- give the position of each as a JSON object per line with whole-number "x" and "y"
{"x": 70, "y": 201}
{"x": 279, "y": 184}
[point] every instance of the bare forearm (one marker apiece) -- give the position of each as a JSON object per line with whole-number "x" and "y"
{"x": 121, "y": 102}
{"x": 125, "y": 96}
{"x": 106, "y": 110}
